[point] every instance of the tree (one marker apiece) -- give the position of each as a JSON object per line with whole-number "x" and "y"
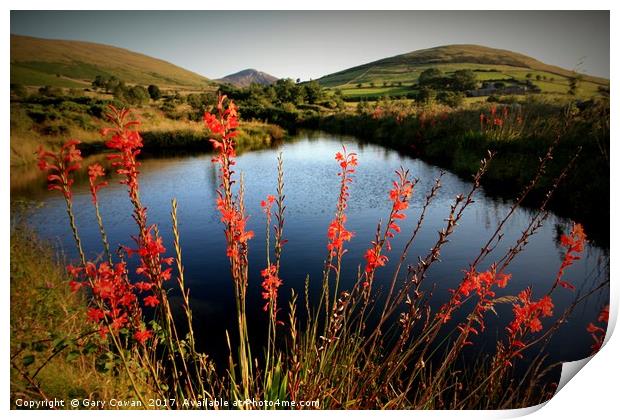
{"x": 285, "y": 90}
{"x": 538, "y": 77}
{"x": 298, "y": 94}
{"x": 372, "y": 84}
{"x": 429, "y": 77}
{"x": 200, "y": 101}
{"x": 137, "y": 95}
{"x": 425, "y": 94}
{"x": 18, "y": 90}
{"x": 50, "y": 91}
{"x": 452, "y": 99}
{"x": 528, "y": 76}
{"x": 112, "y": 84}
{"x": 99, "y": 82}
{"x": 359, "y": 85}
{"x": 154, "y": 92}
{"x": 313, "y": 92}
{"x": 463, "y": 80}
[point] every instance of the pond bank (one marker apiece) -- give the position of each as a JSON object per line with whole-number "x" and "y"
{"x": 583, "y": 195}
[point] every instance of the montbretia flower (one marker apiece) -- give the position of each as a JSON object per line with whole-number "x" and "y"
{"x": 223, "y": 128}
{"x": 142, "y": 336}
{"x": 597, "y": 331}
{"x": 150, "y": 250}
{"x": 474, "y": 282}
{"x": 374, "y": 260}
{"x": 271, "y": 284}
{"x": 117, "y": 302}
{"x": 574, "y": 244}
{"x": 527, "y": 314}
{"x": 128, "y": 143}
{"x": 337, "y": 233}
{"x": 266, "y": 204}
{"x": 60, "y": 166}
{"x": 377, "y": 113}
{"x": 94, "y": 172}
{"x": 399, "y": 195}
{"x": 151, "y": 301}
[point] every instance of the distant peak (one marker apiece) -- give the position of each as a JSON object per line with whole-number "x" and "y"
{"x": 246, "y": 77}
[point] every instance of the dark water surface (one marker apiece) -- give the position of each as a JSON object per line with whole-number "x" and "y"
{"x": 311, "y": 187}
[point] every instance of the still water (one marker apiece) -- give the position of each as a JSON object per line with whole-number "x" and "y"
{"x": 311, "y": 188}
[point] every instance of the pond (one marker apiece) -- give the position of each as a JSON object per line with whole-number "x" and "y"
{"x": 311, "y": 188}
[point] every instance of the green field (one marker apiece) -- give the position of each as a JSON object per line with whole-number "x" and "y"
{"x": 489, "y": 65}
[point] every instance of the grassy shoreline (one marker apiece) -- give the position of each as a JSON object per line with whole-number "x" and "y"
{"x": 55, "y": 353}
{"x": 583, "y": 196}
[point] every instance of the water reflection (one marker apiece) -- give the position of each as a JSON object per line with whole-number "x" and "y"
{"x": 311, "y": 187}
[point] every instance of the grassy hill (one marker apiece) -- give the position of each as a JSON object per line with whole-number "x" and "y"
{"x": 37, "y": 62}
{"x": 395, "y": 76}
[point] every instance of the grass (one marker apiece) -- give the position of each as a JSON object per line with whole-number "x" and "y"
{"x": 54, "y": 353}
{"x": 88, "y": 60}
{"x": 27, "y": 76}
{"x": 50, "y": 122}
{"x": 407, "y": 67}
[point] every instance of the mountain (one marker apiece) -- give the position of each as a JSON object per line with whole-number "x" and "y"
{"x": 37, "y": 62}
{"x": 246, "y": 77}
{"x": 488, "y": 63}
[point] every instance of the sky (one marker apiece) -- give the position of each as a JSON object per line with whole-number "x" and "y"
{"x": 311, "y": 44}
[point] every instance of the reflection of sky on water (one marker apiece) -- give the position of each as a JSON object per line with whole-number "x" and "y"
{"x": 311, "y": 191}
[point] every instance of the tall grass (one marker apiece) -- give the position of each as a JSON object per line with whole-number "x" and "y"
{"x": 55, "y": 351}
{"x": 356, "y": 348}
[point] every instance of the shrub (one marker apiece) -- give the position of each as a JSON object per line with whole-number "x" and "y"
{"x": 154, "y": 92}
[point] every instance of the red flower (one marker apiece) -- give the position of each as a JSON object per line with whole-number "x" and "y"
{"x": 95, "y": 314}
{"x": 480, "y": 283}
{"x": 574, "y": 244}
{"x": 95, "y": 171}
{"x": 598, "y": 332}
{"x": 223, "y": 127}
{"x": 603, "y": 316}
{"x": 115, "y": 294}
{"x": 142, "y": 335}
{"x": 337, "y": 233}
{"x": 75, "y": 285}
{"x": 529, "y": 312}
{"x": 271, "y": 283}
{"x": 128, "y": 143}
{"x": 266, "y": 204}
{"x": 60, "y": 166}
{"x": 151, "y": 300}
{"x": 374, "y": 260}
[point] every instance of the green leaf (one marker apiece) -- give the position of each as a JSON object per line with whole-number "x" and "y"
{"x": 28, "y": 359}
{"x": 89, "y": 348}
{"x": 72, "y": 355}
{"x": 39, "y": 347}
{"x": 59, "y": 343}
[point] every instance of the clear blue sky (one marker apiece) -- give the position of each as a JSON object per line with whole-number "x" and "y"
{"x": 312, "y": 44}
